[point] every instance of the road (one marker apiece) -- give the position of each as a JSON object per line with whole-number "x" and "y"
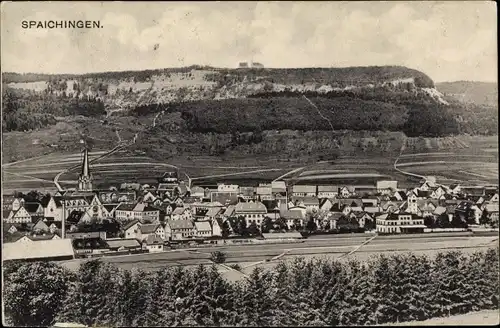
{"x": 122, "y": 144}
{"x": 330, "y": 246}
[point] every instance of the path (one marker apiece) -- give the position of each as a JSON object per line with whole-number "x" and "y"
{"x": 237, "y": 173}
{"x": 403, "y": 146}
{"x": 319, "y": 112}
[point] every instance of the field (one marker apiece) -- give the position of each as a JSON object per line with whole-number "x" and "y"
{"x": 466, "y": 159}
{"x": 331, "y": 247}
{"x": 463, "y": 159}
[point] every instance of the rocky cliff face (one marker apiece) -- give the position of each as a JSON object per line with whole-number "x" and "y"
{"x": 125, "y": 90}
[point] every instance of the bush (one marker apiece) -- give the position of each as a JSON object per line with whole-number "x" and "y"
{"x": 218, "y": 257}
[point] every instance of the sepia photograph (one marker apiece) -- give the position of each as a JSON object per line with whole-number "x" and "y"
{"x": 249, "y": 163}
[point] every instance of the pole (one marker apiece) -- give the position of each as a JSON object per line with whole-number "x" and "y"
{"x": 63, "y": 224}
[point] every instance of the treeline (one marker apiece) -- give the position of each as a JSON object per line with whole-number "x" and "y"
{"x": 138, "y": 76}
{"x": 296, "y": 113}
{"x": 24, "y": 111}
{"x": 402, "y": 287}
{"x": 338, "y": 77}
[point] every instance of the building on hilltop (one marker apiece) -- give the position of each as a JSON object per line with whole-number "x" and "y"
{"x": 85, "y": 178}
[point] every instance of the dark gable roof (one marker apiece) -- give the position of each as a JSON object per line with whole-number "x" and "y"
{"x": 110, "y": 207}
{"x": 125, "y": 207}
{"x": 32, "y": 207}
{"x": 75, "y": 216}
{"x": 5, "y": 214}
{"x": 131, "y": 223}
{"x": 148, "y": 228}
{"x": 58, "y": 200}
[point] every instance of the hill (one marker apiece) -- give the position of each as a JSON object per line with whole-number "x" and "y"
{"x": 480, "y": 93}
{"x": 243, "y": 111}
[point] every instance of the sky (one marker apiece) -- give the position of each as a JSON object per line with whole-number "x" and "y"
{"x": 448, "y": 41}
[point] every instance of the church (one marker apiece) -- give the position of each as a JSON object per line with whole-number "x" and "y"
{"x": 85, "y": 177}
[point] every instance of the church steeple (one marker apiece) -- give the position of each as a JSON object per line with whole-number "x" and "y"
{"x": 85, "y": 178}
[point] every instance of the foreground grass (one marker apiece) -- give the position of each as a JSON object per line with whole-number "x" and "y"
{"x": 488, "y": 317}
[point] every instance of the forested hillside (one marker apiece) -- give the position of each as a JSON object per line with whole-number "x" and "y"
{"x": 318, "y": 292}
{"x": 480, "y": 93}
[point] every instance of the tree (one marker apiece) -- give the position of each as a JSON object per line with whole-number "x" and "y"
{"x": 225, "y": 230}
{"x": 311, "y": 225}
{"x": 280, "y": 224}
{"x": 266, "y": 224}
{"x": 218, "y": 257}
{"x": 34, "y": 293}
{"x": 253, "y": 230}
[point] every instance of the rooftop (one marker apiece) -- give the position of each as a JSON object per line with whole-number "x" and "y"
{"x": 37, "y": 249}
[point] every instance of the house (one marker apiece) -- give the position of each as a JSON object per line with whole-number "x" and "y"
{"x": 293, "y": 216}
{"x": 18, "y": 216}
{"x": 40, "y": 225}
{"x": 182, "y": 213}
{"x": 455, "y": 189}
{"x": 346, "y": 191}
{"x": 399, "y": 223}
{"x": 10, "y": 228}
{"x": 252, "y": 212}
{"x": 328, "y": 191}
{"x": 202, "y": 229}
{"x": 7, "y": 202}
{"x": 35, "y": 210}
{"x": 299, "y": 206}
{"x": 311, "y": 203}
{"x": 53, "y": 208}
{"x": 438, "y": 192}
{"x": 386, "y": 187}
{"x": 109, "y": 210}
{"x": 362, "y": 218}
{"x": 131, "y": 229}
{"x": 179, "y": 229}
{"x": 212, "y": 213}
{"x": 325, "y": 205}
{"x": 197, "y": 192}
{"x": 494, "y": 198}
{"x": 149, "y": 197}
{"x": 166, "y": 189}
{"x": 121, "y": 245}
{"x": 468, "y": 211}
{"x": 399, "y": 196}
{"x": 225, "y": 198}
{"x": 154, "y": 243}
{"x": 150, "y": 214}
{"x": 82, "y": 202}
{"x": 264, "y": 192}
{"x": 246, "y": 193}
{"x": 278, "y": 189}
{"x": 426, "y": 207}
{"x": 145, "y": 230}
{"x": 43, "y": 250}
{"x": 304, "y": 191}
{"x": 217, "y": 223}
{"x": 17, "y": 203}
{"x": 492, "y": 212}
{"x": 75, "y": 217}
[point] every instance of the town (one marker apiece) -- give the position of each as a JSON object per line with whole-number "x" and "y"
{"x": 134, "y": 218}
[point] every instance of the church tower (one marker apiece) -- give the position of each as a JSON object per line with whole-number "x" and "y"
{"x": 85, "y": 178}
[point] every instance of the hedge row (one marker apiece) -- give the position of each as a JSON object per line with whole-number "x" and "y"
{"x": 402, "y": 287}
